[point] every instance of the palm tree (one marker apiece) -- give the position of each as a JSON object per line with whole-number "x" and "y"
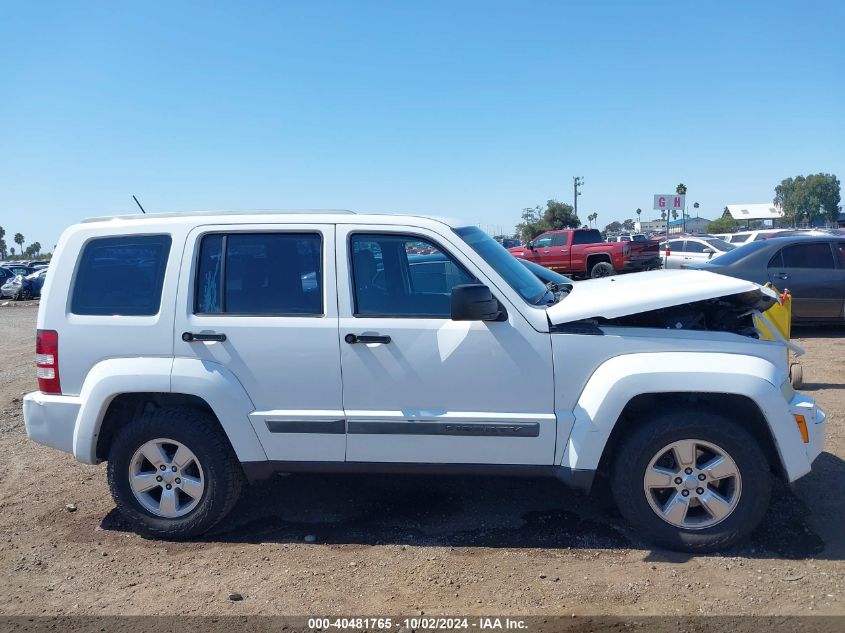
{"x": 19, "y": 240}
{"x": 681, "y": 189}
{"x": 674, "y": 214}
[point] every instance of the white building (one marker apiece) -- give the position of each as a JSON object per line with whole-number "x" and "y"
{"x": 756, "y": 214}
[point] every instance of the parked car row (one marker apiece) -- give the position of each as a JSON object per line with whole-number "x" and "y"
{"x": 743, "y": 237}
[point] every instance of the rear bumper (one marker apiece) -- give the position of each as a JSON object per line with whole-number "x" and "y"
{"x": 51, "y": 419}
{"x": 642, "y": 264}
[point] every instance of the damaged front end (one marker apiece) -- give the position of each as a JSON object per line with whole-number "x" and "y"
{"x": 734, "y": 313}
{"x": 664, "y": 299}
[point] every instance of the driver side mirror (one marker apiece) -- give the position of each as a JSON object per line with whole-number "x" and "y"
{"x": 530, "y": 245}
{"x": 475, "y": 302}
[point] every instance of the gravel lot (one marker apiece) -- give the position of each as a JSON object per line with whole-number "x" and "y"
{"x": 402, "y": 545}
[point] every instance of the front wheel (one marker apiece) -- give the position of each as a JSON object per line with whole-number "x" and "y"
{"x": 692, "y": 481}
{"x": 173, "y": 473}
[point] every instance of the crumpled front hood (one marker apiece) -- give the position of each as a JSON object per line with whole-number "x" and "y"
{"x": 623, "y": 295}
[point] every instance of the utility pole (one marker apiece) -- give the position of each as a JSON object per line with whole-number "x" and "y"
{"x": 577, "y": 183}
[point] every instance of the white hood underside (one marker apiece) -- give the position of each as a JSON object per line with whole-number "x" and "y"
{"x": 624, "y": 295}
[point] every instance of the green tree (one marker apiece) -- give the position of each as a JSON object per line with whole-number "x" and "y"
{"x": 613, "y": 227}
{"x": 555, "y": 215}
{"x": 804, "y": 198}
{"x": 824, "y": 194}
{"x": 559, "y": 215}
{"x": 628, "y": 225}
{"x": 681, "y": 189}
{"x": 639, "y": 212}
{"x": 674, "y": 214}
{"x": 725, "y": 224}
{"x": 2, "y": 243}
{"x": 531, "y": 225}
{"x": 786, "y": 197}
{"x": 19, "y": 240}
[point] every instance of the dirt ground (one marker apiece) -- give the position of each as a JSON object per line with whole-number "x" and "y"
{"x": 403, "y": 545}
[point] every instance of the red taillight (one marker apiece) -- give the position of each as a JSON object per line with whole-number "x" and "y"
{"x": 47, "y": 361}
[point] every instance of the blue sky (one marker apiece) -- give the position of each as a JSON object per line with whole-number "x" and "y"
{"x": 467, "y": 109}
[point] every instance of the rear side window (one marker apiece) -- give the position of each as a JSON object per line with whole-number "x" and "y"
{"x": 260, "y": 274}
{"x": 814, "y": 255}
{"x": 586, "y": 237}
{"x": 691, "y": 246}
{"x": 121, "y": 276}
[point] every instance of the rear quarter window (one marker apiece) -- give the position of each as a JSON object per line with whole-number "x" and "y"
{"x": 121, "y": 276}
{"x": 586, "y": 236}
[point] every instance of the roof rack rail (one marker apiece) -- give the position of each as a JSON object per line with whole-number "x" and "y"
{"x": 180, "y": 214}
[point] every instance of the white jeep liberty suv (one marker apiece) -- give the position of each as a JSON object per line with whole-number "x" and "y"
{"x": 196, "y": 352}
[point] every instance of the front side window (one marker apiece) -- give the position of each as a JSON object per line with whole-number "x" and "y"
{"x": 121, "y": 276}
{"x": 543, "y": 242}
{"x": 396, "y": 275}
{"x": 260, "y": 274}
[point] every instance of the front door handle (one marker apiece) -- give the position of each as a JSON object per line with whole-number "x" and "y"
{"x": 366, "y": 338}
{"x": 190, "y": 337}
{"x": 782, "y": 276}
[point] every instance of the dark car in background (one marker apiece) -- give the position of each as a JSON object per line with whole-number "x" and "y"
{"x": 811, "y": 268}
{"x": 17, "y": 269}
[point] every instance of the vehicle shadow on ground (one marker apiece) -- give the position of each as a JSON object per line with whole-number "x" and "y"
{"x": 502, "y": 512}
{"x": 818, "y": 331}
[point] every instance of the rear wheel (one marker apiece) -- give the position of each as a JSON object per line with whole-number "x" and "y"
{"x": 692, "y": 480}
{"x": 602, "y": 269}
{"x": 173, "y": 473}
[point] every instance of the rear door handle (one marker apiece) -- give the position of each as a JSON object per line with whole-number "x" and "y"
{"x": 190, "y": 337}
{"x": 366, "y": 338}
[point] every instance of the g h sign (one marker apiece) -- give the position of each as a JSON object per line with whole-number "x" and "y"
{"x": 669, "y": 201}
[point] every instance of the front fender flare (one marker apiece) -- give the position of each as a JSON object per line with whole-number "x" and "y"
{"x": 617, "y": 381}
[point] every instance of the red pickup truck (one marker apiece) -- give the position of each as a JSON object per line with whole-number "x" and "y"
{"x": 582, "y": 252}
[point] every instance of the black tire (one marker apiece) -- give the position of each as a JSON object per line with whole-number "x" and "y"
{"x": 602, "y": 269}
{"x": 197, "y": 431}
{"x": 636, "y": 452}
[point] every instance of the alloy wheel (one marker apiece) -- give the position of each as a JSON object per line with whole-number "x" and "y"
{"x": 692, "y": 484}
{"x": 166, "y": 478}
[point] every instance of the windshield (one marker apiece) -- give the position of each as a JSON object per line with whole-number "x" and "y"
{"x": 517, "y": 276}
{"x": 738, "y": 253}
{"x": 720, "y": 245}
{"x": 639, "y": 237}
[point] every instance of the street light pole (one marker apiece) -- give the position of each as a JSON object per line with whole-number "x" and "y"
{"x": 577, "y": 183}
